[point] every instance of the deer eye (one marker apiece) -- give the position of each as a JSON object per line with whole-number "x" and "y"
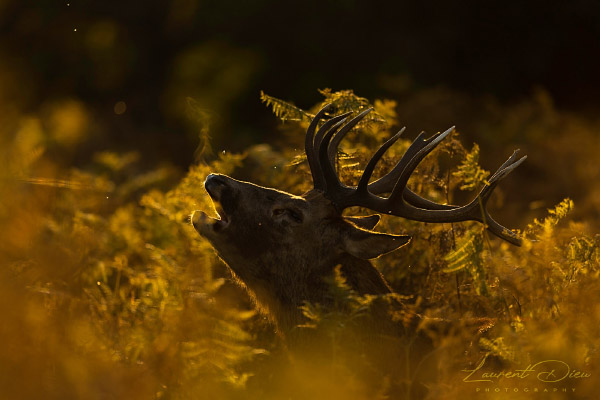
{"x": 291, "y": 212}
{"x": 295, "y": 214}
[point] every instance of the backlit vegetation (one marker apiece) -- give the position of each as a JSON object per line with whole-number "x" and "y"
{"x": 108, "y": 292}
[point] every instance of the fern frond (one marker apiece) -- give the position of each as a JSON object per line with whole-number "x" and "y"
{"x": 583, "y": 256}
{"x": 345, "y": 101}
{"x": 284, "y": 110}
{"x": 469, "y": 256}
{"x": 471, "y": 176}
{"x": 545, "y": 227}
{"x": 468, "y": 252}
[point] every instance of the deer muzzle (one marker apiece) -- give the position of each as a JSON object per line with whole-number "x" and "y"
{"x": 205, "y": 225}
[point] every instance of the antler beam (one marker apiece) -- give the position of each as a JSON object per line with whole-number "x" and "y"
{"x": 402, "y": 202}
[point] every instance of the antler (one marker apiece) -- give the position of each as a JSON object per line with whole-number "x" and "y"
{"x": 402, "y": 202}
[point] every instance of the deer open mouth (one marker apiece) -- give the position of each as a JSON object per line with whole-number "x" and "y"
{"x": 223, "y": 220}
{"x": 205, "y": 224}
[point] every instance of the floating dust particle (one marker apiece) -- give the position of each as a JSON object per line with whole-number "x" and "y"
{"x": 120, "y": 107}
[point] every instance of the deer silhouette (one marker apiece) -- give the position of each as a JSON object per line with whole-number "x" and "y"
{"x": 280, "y": 246}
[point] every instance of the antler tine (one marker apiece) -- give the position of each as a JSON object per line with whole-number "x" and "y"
{"x": 505, "y": 169}
{"x": 509, "y": 161}
{"x": 478, "y": 204}
{"x": 333, "y": 147}
{"x": 335, "y": 141}
{"x": 386, "y": 183}
{"x": 413, "y": 162}
{"x": 331, "y": 124}
{"x": 327, "y": 129}
{"x": 328, "y": 170}
{"x": 368, "y": 171}
{"x": 309, "y": 147}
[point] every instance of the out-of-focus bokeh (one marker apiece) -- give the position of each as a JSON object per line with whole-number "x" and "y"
{"x": 112, "y": 113}
{"x": 150, "y": 76}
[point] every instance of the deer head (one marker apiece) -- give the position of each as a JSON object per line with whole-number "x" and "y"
{"x": 280, "y": 246}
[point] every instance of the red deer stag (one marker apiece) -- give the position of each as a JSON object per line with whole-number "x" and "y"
{"x": 281, "y": 246}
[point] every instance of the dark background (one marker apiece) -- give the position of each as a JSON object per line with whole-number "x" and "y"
{"x": 154, "y": 55}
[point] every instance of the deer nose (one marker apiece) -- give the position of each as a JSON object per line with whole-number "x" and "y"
{"x": 214, "y": 183}
{"x": 215, "y": 179}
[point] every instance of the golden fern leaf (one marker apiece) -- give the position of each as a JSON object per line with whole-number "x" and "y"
{"x": 470, "y": 174}
{"x": 284, "y": 110}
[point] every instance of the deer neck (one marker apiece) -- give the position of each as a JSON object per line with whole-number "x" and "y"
{"x": 280, "y": 290}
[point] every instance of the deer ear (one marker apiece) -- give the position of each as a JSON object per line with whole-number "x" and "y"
{"x": 368, "y": 222}
{"x": 367, "y": 244}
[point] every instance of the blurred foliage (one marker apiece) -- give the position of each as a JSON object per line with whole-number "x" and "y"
{"x": 108, "y": 292}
